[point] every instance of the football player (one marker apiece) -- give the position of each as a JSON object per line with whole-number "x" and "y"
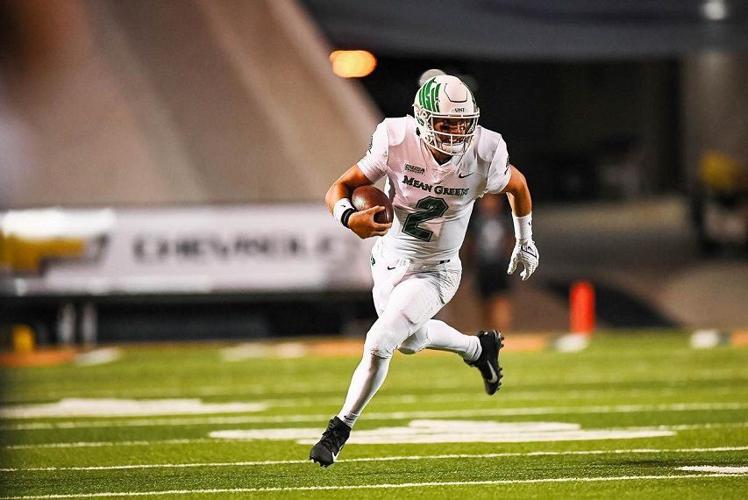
{"x": 436, "y": 164}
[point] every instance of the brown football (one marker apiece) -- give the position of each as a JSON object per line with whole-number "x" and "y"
{"x": 365, "y": 197}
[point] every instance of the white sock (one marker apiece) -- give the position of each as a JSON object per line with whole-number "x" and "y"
{"x": 443, "y": 337}
{"x": 367, "y": 379}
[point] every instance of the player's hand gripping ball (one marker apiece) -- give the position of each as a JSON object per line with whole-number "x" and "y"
{"x": 373, "y": 216}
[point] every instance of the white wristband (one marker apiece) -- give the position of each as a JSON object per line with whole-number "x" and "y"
{"x": 342, "y": 206}
{"x": 523, "y": 227}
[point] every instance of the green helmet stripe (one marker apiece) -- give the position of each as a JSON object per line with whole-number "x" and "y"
{"x": 422, "y": 93}
{"x": 428, "y": 96}
{"x": 435, "y": 98}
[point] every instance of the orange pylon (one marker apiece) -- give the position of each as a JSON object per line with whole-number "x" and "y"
{"x": 582, "y": 308}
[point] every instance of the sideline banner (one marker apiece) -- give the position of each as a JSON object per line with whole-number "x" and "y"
{"x": 254, "y": 248}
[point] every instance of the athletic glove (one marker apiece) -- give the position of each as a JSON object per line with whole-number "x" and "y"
{"x": 524, "y": 253}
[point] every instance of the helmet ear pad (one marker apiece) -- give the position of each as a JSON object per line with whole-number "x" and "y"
{"x": 423, "y": 126}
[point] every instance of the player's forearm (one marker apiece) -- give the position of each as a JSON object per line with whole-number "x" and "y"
{"x": 336, "y": 192}
{"x": 521, "y": 203}
{"x": 344, "y": 186}
{"x": 519, "y": 195}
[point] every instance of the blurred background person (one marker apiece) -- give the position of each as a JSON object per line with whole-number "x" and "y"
{"x": 488, "y": 250}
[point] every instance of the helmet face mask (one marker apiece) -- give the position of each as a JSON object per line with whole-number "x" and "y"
{"x": 453, "y": 135}
{"x": 446, "y": 114}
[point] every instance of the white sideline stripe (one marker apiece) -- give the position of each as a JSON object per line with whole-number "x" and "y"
{"x": 98, "y": 444}
{"x": 388, "y": 459}
{"x": 373, "y": 486}
{"x": 401, "y": 415}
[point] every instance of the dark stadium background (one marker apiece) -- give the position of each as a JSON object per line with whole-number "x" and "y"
{"x": 612, "y": 109}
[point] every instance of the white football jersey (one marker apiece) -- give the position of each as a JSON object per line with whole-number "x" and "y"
{"x": 432, "y": 202}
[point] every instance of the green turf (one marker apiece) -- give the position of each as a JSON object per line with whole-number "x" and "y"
{"x": 623, "y": 380}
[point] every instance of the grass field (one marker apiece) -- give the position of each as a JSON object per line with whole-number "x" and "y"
{"x": 622, "y": 419}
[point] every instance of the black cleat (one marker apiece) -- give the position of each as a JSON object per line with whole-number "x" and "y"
{"x": 491, "y": 343}
{"x": 326, "y": 450}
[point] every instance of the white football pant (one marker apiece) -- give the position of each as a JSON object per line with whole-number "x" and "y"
{"x": 407, "y": 295}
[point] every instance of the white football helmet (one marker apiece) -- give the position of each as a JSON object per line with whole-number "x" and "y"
{"x": 446, "y": 99}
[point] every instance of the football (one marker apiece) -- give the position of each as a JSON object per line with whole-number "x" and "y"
{"x": 365, "y": 197}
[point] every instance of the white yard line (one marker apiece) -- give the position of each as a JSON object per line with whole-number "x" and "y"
{"x": 104, "y": 444}
{"x": 398, "y": 415}
{"x": 101, "y": 444}
{"x": 688, "y": 427}
{"x": 377, "y": 486}
{"x": 622, "y": 451}
{"x": 505, "y": 396}
{"x": 716, "y": 468}
{"x": 98, "y": 357}
{"x": 129, "y": 408}
{"x": 609, "y": 386}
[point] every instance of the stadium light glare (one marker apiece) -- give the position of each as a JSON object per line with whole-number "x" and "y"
{"x": 352, "y": 63}
{"x": 714, "y": 10}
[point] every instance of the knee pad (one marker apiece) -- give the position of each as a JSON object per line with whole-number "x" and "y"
{"x": 405, "y": 348}
{"x": 387, "y": 333}
{"x": 415, "y": 343}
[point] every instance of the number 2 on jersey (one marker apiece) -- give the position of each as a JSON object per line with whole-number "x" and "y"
{"x": 429, "y": 208}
